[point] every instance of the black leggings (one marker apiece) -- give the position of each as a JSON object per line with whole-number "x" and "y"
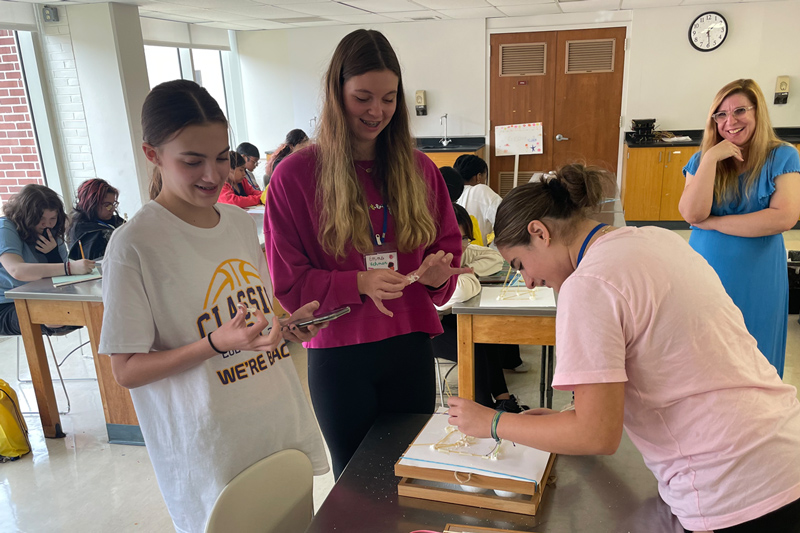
{"x": 783, "y": 520}
{"x": 352, "y": 385}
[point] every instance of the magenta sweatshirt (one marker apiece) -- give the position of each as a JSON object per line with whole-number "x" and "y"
{"x": 302, "y": 272}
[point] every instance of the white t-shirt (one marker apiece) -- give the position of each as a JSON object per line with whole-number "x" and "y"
{"x": 715, "y": 424}
{"x": 167, "y": 284}
{"x": 481, "y": 202}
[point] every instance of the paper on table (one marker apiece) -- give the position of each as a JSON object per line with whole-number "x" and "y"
{"x": 518, "y": 462}
{"x": 59, "y": 281}
{"x": 544, "y": 297}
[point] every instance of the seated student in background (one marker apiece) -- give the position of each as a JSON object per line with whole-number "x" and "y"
{"x": 455, "y": 187}
{"x": 251, "y": 158}
{"x": 93, "y": 220}
{"x": 478, "y": 198}
{"x": 32, "y": 247}
{"x": 648, "y": 340}
{"x": 237, "y": 190}
{"x": 295, "y": 140}
{"x": 490, "y": 383}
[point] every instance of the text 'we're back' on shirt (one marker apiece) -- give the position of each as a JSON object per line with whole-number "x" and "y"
{"x": 167, "y": 284}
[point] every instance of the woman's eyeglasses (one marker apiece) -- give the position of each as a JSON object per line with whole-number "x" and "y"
{"x": 722, "y": 116}
{"x": 110, "y": 205}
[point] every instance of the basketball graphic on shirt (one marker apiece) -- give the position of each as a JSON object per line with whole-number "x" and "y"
{"x": 229, "y": 277}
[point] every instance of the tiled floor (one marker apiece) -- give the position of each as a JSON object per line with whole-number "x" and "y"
{"x": 83, "y": 484}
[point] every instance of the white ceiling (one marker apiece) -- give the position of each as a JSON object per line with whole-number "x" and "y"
{"x": 276, "y": 14}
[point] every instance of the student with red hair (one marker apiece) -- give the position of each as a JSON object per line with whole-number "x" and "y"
{"x": 93, "y": 220}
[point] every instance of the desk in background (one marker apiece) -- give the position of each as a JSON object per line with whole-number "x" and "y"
{"x": 508, "y": 325}
{"x": 80, "y": 304}
{"x": 592, "y": 493}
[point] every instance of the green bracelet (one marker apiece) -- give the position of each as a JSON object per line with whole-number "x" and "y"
{"x": 495, "y": 421}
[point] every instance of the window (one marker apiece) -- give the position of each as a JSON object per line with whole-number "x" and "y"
{"x": 163, "y": 64}
{"x": 208, "y": 73}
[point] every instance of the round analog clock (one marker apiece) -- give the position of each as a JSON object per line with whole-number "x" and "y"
{"x": 708, "y": 31}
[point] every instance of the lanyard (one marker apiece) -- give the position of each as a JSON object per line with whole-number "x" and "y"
{"x": 380, "y": 237}
{"x": 586, "y": 242}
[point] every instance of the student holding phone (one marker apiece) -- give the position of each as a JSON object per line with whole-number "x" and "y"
{"x": 32, "y": 247}
{"x": 187, "y": 300}
{"x": 339, "y": 212}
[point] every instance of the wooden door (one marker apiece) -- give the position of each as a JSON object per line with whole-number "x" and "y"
{"x": 589, "y": 99}
{"x": 583, "y": 107}
{"x": 673, "y": 181}
{"x": 517, "y": 99}
{"x": 641, "y": 179}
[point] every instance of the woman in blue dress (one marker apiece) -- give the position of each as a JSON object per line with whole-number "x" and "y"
{"x": 742, "y": 192}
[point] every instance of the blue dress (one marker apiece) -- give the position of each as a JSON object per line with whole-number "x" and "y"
{"x": 753, "y": 269}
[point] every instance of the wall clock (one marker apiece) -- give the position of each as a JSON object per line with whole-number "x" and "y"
{"x": 708, "y": 31}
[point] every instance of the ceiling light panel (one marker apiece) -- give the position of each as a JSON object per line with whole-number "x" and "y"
{"x": 383, "y": 6}
{"x": 530, "y": 9}
{"x": 452, "y": 4}
{"x": 473, "y": 13}
{"x": 589, "y": 5}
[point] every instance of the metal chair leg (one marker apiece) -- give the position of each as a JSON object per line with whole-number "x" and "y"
{"x": 60, "y": 377}
{"x": 439, "y": 383}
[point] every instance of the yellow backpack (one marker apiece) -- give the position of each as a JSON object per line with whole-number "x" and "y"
{"x": 14, "y": 441}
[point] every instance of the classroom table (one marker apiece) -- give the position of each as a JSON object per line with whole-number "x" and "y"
{"x": 509, "y": 325}
{"x": 80, "y": 304}
{"x": 592, "y": 493}
{"x": 504, "y": 325}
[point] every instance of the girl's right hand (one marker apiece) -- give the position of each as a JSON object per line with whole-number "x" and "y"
{"x": 723, "y": 150}
{"x": 81, "y": 266}
{"x": 381, "y": 284}
{"x": 235, "y": 334}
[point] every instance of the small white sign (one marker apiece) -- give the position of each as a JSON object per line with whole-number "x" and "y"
{"x": 518, "y": 139}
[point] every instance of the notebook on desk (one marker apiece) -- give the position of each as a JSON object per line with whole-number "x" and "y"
{"x": 60, "y": 281}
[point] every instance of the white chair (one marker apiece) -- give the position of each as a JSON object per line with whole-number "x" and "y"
{"x": 275, "y": 495}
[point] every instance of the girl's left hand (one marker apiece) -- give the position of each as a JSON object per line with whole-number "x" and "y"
{"x": 435, "y": 270}
{"x": 294, "y": 334}
{"x": 470, "y": 418}
{"x": 46, "y": 242}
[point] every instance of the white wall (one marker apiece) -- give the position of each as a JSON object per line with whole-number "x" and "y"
{"x": 282, "y": 74}
{"x": 673, "y": 83}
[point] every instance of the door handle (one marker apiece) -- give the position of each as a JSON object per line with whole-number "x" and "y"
{"x": 560, "y": 137}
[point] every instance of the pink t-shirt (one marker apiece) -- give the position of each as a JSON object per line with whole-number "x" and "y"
{"x": 714, "y": 422}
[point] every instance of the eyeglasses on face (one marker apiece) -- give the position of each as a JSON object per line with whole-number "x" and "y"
{"x": 721, "y": 116}
{"x": 110, "y": 205}
{"x": 466, "y": 239}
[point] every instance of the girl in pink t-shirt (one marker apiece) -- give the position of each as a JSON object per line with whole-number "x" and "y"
{"x": 649, "y": 340}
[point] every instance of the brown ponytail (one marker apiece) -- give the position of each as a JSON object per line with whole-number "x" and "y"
{"x": 560, "y": 200}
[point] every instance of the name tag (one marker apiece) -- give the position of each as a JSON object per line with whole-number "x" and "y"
{"x": 381, "y": 260}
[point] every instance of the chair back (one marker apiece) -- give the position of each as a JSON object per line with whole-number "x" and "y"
{"x": 275, "y": 495}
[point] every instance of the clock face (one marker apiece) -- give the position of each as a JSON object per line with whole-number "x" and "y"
{"x": 708, "y": 31}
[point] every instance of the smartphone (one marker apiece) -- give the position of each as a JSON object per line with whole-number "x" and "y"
{"x": 305, "y": 322}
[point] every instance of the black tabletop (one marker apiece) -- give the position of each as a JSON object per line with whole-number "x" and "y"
{"x": 591, "y": 493}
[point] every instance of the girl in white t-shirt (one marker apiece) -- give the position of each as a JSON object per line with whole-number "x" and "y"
{"x": 478, "y": 199}
{"x": 187, "y": 295}
{"x": 649, "y": 340}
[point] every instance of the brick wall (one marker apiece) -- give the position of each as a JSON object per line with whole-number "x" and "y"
{"x": 19, "y": 156}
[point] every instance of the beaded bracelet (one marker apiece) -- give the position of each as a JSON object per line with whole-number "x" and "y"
{"x": 495, "y": 421}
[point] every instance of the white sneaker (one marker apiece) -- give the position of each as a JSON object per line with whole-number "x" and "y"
{"x": 521, "y": 369}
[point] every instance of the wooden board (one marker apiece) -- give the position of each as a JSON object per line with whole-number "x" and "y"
{"x": 529, "y": 505}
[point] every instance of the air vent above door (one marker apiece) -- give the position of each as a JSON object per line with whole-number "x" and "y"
{"x": 590, "y": 56}
{"x": 524, "y": 59}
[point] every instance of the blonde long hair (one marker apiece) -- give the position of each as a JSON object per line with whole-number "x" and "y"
{"x": 344, "y": 216}
{"x": 763, "y": 141}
